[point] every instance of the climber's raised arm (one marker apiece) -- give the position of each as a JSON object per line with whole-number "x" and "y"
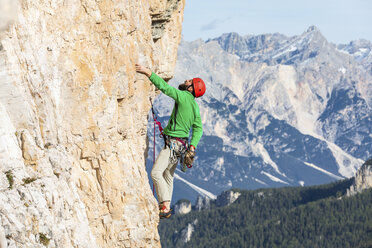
{"x": 159, "y": 83}
{"x": 143, "y": 70}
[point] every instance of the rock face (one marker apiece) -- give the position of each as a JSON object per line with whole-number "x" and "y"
{"x": 202, "y": 203}
{"x": 73, "y": 116}
{"x": 182, "y": 207}
{"x": 227, "y": 198}
{"x": 362, "y": 179}
{"x": 184, "y": 235}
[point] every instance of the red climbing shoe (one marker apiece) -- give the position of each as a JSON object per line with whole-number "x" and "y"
{"x": 163, "y": 214}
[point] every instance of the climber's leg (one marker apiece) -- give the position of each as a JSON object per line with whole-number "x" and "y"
{"x": 169, "y": 178}
{"x": 157, "y": 176}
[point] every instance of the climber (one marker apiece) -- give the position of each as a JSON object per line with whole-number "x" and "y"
{"x": 185, "y": 115}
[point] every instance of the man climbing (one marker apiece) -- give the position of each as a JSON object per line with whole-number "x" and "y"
{"x": 185, "y": 115}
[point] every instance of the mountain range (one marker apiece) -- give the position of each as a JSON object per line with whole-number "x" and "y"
{"x": 278, "y": 111}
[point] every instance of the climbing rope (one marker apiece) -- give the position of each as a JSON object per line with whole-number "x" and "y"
{"x": 156, "y": 122}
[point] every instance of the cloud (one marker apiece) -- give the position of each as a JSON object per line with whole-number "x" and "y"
{"x": 213, "y": 24}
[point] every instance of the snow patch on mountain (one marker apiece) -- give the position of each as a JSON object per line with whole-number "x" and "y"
{"x": 342, "y": 69}
{"x": 220, "y": 129}
{"x": 201, "y": 191}
{"x": 273, "y": 178}
{"x": 322, "y": 170}
{"x": 259, "y": 150}
{"x": 348, "y": 165}
{"x": 259, "y": 181}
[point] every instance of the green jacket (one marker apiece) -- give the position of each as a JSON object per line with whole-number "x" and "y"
{"x": 185, "y": 114}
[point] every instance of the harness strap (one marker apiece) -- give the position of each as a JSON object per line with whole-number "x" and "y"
{"x": 182, "y": 142}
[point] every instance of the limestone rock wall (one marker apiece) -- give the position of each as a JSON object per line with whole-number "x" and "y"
{"x": 362, "y": 179}
{"x": 227, "y": 198}
{"x": 182, "y": 207}
{"x": 73, "y": 116}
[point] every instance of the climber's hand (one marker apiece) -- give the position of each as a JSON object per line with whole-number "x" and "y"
{"x": 143, "y": 70}
{"x": 189, "y": 157}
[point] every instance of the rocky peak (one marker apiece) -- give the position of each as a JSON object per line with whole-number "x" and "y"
{"x": 362, "y": 179}
{"x": 202, "y": 203}
{"x": 361, "y": 50}
{"x": 312, "y": 34}
{"x": 182, "y": 206}
{"x": 312, "y": 29}
{"x": 274, "y": 48}
{"x": 231, "y": 42}
{"x": 247, "y": 46}
{"x": 227, "y": 198}
{"x": 183, "y": 236}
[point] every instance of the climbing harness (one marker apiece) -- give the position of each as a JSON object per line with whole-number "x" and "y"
{"x": 178, "y": 148}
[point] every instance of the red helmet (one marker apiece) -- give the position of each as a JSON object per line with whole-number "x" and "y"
{"x": 199, "y": 87}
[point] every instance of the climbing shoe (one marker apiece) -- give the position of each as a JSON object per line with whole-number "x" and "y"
{"x": 163, "y": 214}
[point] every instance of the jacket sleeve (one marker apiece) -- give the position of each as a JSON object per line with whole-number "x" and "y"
{"x": 197, "y": 130}
{"x": 166, "y": 88}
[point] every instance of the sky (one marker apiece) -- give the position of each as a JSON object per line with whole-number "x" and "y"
{"x": 340, "y": 21}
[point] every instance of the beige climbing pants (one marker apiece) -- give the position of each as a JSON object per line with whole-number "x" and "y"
{"x": 162, "y": 173}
